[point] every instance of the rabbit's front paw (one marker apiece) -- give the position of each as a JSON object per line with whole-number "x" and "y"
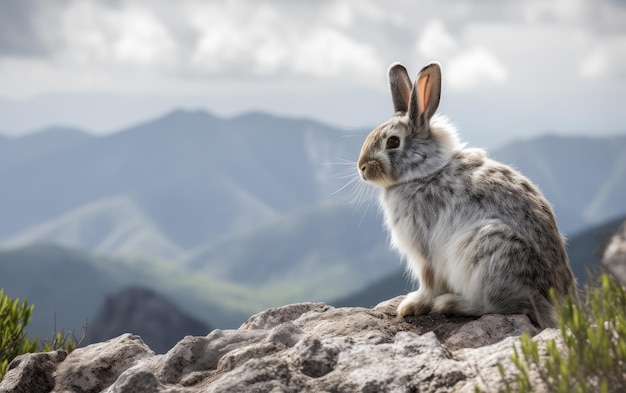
{"x": 415, "y": 303}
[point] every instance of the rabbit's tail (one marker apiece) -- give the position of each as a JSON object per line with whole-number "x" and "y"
{"x": 542, "y": 313}
{"x": 538, "y": 308}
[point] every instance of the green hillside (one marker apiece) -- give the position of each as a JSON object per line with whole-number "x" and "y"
{"x": 71, "y": 285}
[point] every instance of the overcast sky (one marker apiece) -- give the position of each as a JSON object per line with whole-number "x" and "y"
{"x": 511, "y": 69}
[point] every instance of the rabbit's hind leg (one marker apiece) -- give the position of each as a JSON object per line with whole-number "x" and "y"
{"x": 453, "y": 304}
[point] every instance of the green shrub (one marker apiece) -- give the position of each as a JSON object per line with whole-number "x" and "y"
{"x": 594, "y": 333}
{"x": 15, "y": 314}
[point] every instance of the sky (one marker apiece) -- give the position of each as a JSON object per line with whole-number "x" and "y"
{"x": 511, "y": 69}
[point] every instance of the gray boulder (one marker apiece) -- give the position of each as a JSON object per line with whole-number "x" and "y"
{"x": 32, "y": 373}
{"x": 307, "y": 347}
{"x": 614, "y": 257}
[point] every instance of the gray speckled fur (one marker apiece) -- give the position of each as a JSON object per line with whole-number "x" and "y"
{"x": 478, "y": 235}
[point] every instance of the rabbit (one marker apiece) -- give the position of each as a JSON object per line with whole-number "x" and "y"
{"x": 477, "y": 235}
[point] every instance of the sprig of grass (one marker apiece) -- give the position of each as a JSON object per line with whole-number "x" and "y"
{"x": 594, "y": 355}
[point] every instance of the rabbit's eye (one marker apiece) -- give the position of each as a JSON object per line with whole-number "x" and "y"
{"x": 393, "y": 142}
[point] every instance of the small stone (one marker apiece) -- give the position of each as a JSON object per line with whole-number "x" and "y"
{"x": 32, "y": 372}
{"x": 286, "y": 334}
{"x": 136, "y": 381}
{"x": 490, "y": 329}
{"x": 314, "y": 358}
{"x": 193, "y": 354}
{"x": 95, "y": 367}
{"x": 273, "y": 317}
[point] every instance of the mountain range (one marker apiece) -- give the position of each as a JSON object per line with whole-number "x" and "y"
{"x": 189, "y": 178}
{"x": 195, "y": 176}
{"x": 227, "y": 216}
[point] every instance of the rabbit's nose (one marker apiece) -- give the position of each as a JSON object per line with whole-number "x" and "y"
{"x": 362, "y": 170}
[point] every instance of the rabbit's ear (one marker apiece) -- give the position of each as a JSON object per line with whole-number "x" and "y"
{"x": 425, "y": 95}
{"x": 400, "y": 85}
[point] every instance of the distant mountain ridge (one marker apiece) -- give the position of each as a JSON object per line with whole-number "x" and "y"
{"x": 108, "y": 227}
{"x": 196, "y": 176}
{"x": 239, "y": 213}
{"x": 33, "y": 146}
{"x": 159, "y": 322}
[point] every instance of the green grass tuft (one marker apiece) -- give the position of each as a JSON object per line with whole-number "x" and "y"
{"x": 594, "y": 335}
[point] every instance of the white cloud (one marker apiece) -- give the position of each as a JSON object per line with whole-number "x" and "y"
{"x": 142, "y": 39}
{"x": 329, "y": 53}
{"x": 563, "y": 11}
{"x": 474, "y": 68}
{"x": 246, "y": 49}
{"x": 436, "y": 42}
{"x": 261, "y": 41}
{"x": 466, "y": 65}
{"x": 354, "y": 42}
{"x": 607, "y": 59}
{"x": 341, "y": 14}
{"x": 94, "y": 34}
{"x": 244, "y": 42}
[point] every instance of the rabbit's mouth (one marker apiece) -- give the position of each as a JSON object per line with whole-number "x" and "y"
{"x": 373, "y": 172}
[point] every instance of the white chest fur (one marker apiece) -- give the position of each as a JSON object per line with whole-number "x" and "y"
{"x": 442, "y": 246}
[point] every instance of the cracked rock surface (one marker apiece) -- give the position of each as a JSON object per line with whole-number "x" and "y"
{"x": 305, "y": 347}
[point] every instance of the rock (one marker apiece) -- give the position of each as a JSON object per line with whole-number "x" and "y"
{"x": 614, "y": 258}
{"x": 137, "y": 381}
{"x": 32, "y": 373}
{"x": 485, "y": 361}
{"x": 490, "y": 329}
{"x": 95, "y": 367}
{"x": 194, "y": 354}
{"x": 275, "y": 316}
{"x": 307, "y": 347}
{"x": 314, "y": 358}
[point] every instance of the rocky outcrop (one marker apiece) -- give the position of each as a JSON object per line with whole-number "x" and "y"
{"x": 614, "y": 258}
{"x": 307, "y": 347}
